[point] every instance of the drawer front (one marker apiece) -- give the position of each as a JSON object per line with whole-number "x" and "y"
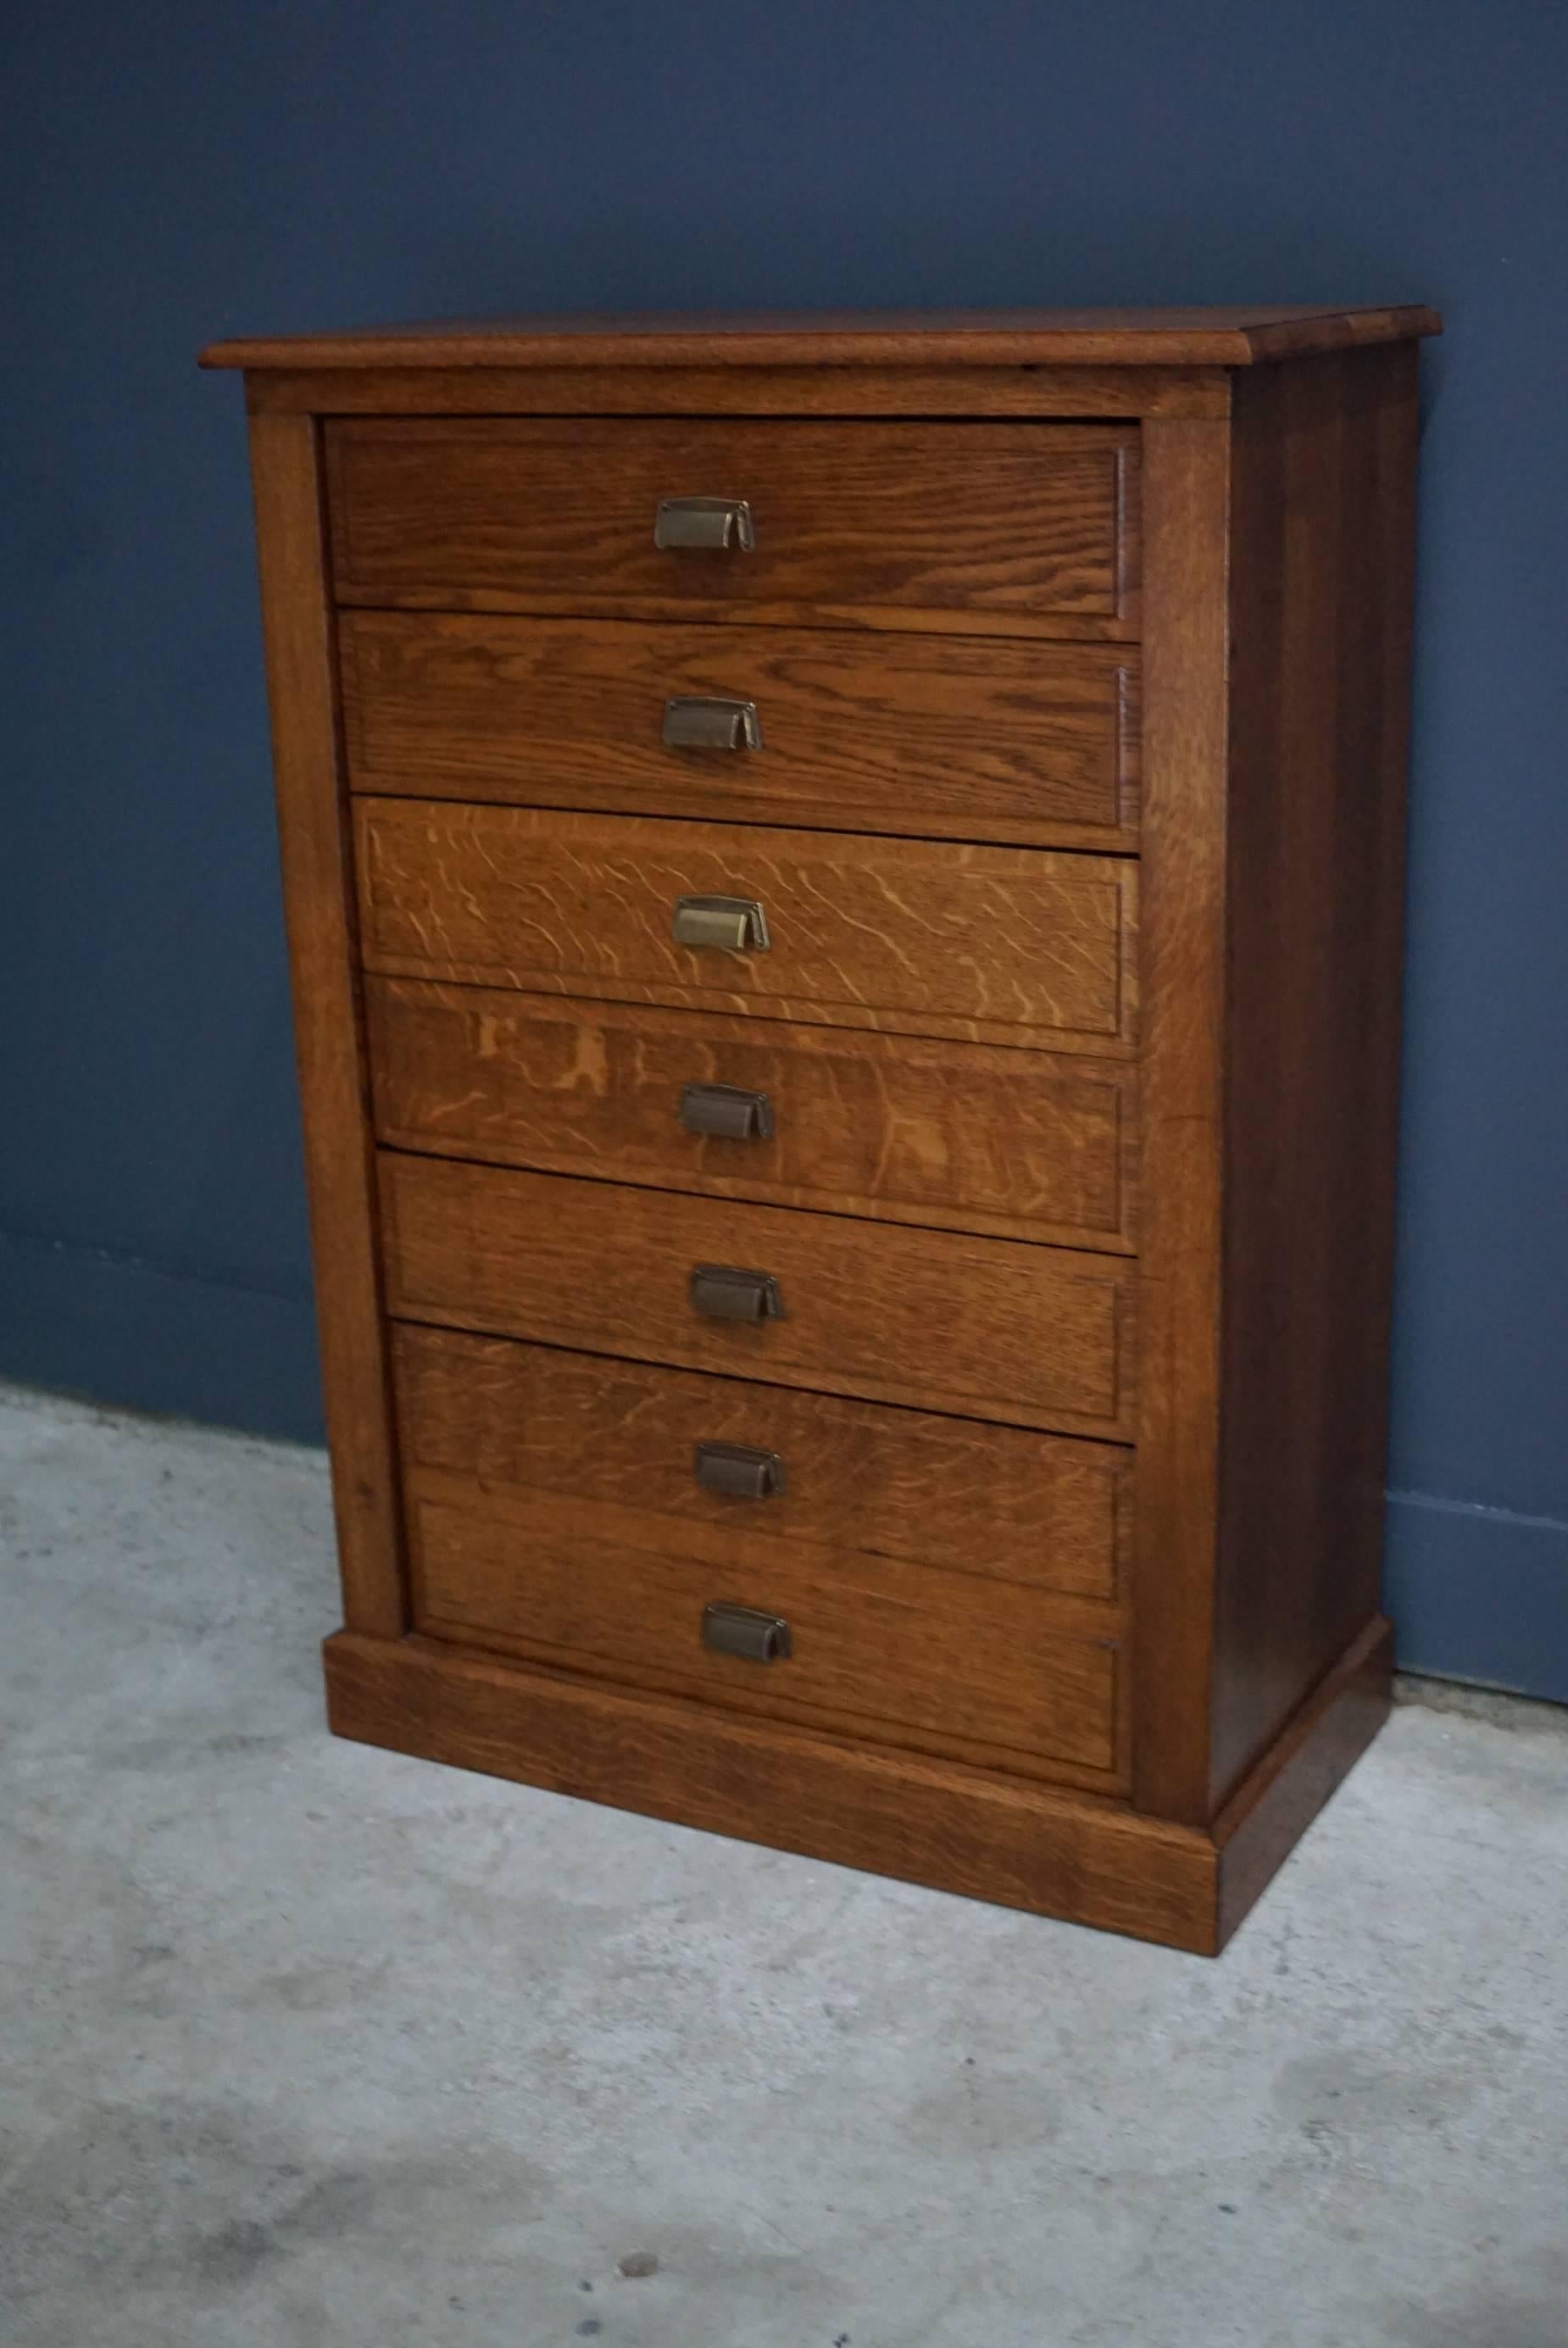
{"x": 1020, "y": 1144}
{"x": 970, "y": 738}
{"x": 996, "y": 945}
{"x": 1022, "y": 522}
{"x": 554, "y": 1510}
{"x": 994, "y": 1328}
{"x": 995, "y": 1503}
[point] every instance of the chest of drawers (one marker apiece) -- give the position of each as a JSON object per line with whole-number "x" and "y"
{"x": 843, "y": 885}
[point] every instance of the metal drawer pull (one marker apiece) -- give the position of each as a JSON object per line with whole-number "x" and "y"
{"x": 736, "y": 923}
{"x": 736, "y": 1469}
{"x": 704, "y": 521}
{"x": 725, "y": 1293}
{"x": 711, "y": 721}
{"x": 727, "y": 1110}
{"x": 744, "y": 1631}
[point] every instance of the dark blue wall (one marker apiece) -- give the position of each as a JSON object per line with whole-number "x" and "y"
{"x": 183, "y": 169}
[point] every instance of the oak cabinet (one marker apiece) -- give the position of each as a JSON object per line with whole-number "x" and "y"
{"x": 843, "y": 879}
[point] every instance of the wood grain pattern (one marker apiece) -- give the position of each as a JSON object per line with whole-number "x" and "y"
{"x": 1187, "y": 466}
{"x": 628, "y": 389}
{"x": 1236, "y": 337}
{"x": 1031, "y": 1336}
{"x": 1010, "y": 517}
{"x": 682, "y": 610}
{"x": 1040, "y": 1512}
{"x": 897, "y": 1653}
{"x": 318, "y": 903}
{"x": 994, "y": 944}
{"x": 958, "y": 1829}
{"x": 960, "y": 1136}
{"x": 964, "y": 738}
{"x": 1321, "y": 561}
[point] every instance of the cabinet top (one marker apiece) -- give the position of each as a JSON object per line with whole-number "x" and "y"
{"x": 1197, "y": 337}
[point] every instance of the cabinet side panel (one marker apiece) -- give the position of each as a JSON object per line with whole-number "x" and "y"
{"x": 1186, "y": 477}
{"x": 318, "y": 905}
{"x": 1321, "y": 585}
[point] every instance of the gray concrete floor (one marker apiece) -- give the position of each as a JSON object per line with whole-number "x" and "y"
{"x": 308, "y": 2047}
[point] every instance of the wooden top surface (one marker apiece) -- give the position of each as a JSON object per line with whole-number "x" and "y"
{"x": 1197, "y": 337}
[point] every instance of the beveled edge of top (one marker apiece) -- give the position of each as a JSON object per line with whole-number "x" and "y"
{"x": 1233, "y": 337}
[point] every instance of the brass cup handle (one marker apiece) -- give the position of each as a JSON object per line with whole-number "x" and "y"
{"x": 737, "y": 924}
{"x": 711, "y": 721}
{"x": 724, "y": 1292}
{"x": 719, "y": 522}
{"x": 739, "y": 1472}
{"x": 727, "y": 1110}
{"x": 747, "y": 1631}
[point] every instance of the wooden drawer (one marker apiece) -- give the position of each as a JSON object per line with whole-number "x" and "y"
{"x": 1034, "y": 1336}
{"x": 967, "y": 738}
{"x": 997, "y": 1503}
{"x": 995, "y": 944}
{"x": 554, "y": 1510}
{"x": 994, "y": 525}
{"x": 1022, "y": 1145}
